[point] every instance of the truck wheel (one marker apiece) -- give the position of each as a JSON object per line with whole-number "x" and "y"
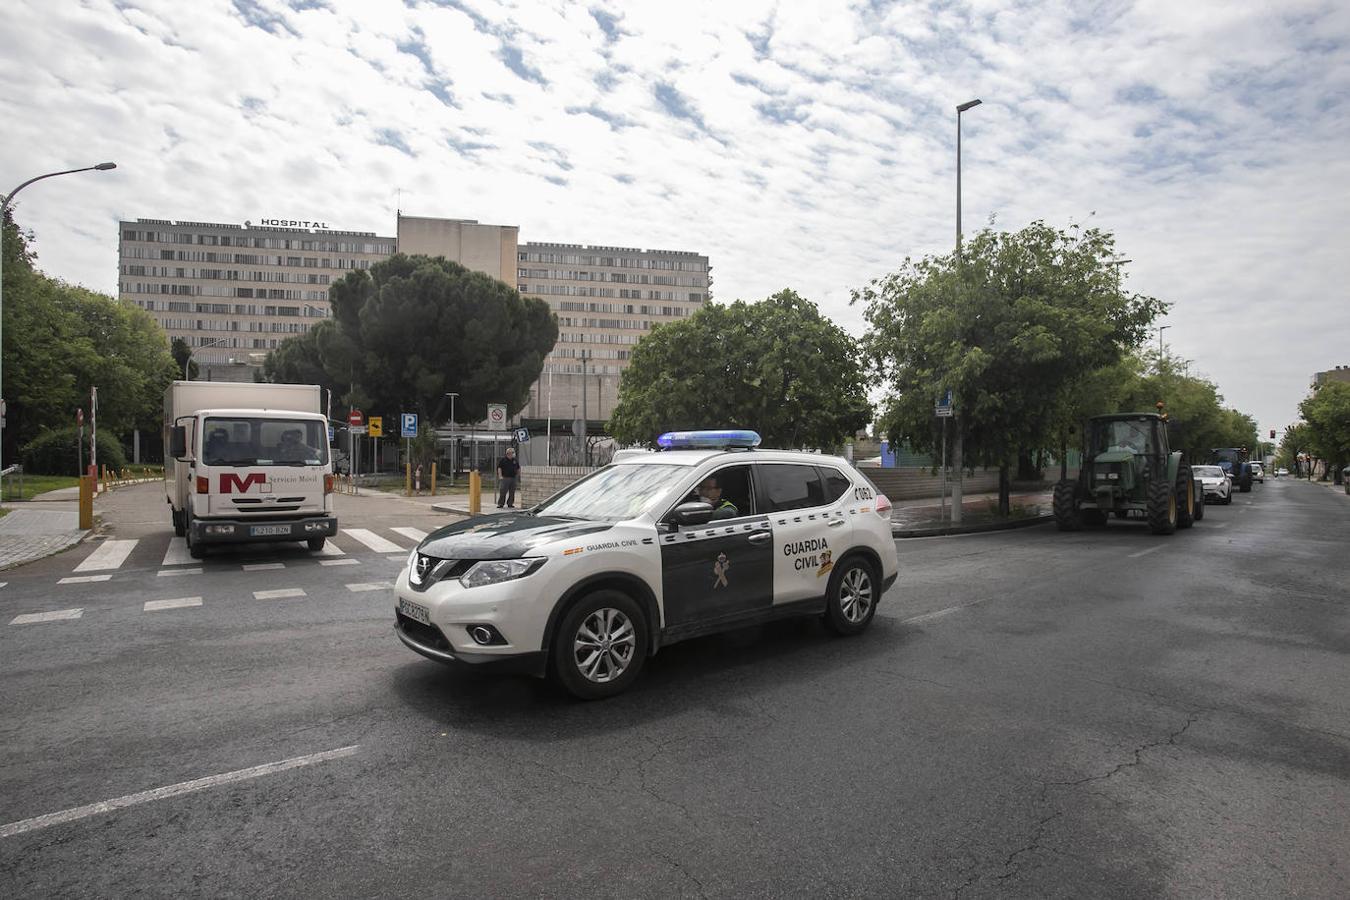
{"x": 315, "y": 544}
{"x": 601, "y": 645}
{"x": 179, "y": 525}
{"x": 1162, "y": 507}
{"x": 196, "y": 549}
{"x": 1065, "y": 505}
{"x": 1185, "y": 498}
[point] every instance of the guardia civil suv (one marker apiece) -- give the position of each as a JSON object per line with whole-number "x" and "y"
{"x": 705, "y": 535}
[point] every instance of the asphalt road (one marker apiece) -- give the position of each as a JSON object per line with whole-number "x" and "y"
{"x": 1032, "y": 714}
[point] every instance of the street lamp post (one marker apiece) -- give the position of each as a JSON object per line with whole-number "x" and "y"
{"x": 454, "y": 442}
{"x": 1161, "y": 329}
{"x": 4, "y": 207}
{"x": 187, "y": 363}
{"x": 957, "y": 462}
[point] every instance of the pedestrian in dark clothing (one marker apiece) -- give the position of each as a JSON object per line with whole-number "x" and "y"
{"x": 508, "y": 471}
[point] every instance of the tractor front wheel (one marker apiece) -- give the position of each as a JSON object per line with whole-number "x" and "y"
{"x": 1162, "y": 507}
{"x": 1067, "y": 515}
{"x": 1185, "y": 498}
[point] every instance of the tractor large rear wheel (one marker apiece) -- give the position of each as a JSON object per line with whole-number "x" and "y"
{"x": 1067, "y": 515}
{"x": 1185, "y": 498}
{"x": 1162, "y": 507}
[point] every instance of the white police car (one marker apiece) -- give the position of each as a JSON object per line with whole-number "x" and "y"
{"x": 592, "y": 581}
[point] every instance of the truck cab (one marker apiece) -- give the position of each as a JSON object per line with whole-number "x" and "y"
{"x": 240, "y": 474}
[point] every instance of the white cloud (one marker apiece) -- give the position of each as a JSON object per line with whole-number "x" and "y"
{"x": 818, "y": 152}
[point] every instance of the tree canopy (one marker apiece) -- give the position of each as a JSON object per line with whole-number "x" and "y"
{"x": 1015, "y": 329}
{"x": 60, "y": 339}
{"x": 411, "y": 329}
{"x": 1327, "y": 414}
{"x": 777, "y": 366}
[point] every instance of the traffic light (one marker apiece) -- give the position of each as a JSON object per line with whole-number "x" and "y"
{"x": 1272, "y": 434}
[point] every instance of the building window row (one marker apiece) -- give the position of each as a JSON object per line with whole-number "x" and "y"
{"x": 576, "y": 322}
{"x": 583, "y": 337}
{"x": 225, "y": 275}
{"x": 613, "y": 262}
{"x": 573, "y": 353}
{"x": 225, "y": 240}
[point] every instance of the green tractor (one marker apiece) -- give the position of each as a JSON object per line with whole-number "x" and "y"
{"x": 1128, "y": 469}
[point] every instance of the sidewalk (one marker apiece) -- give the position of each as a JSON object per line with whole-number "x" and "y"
{"x": 31, "y": 531}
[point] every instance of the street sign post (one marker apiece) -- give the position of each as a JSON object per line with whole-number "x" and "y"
{"x": 497, "y": 416}
{"x": 355, "y": 417}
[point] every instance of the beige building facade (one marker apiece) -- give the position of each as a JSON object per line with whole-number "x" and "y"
{"x": 606, "y": 299}
{"x": 234, "y": 292}
{"x": 490, "y": 249}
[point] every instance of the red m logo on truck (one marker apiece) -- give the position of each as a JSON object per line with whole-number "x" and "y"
{"x": 230, "y": 481}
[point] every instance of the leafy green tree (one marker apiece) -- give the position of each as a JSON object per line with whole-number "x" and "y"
{"x": 1297, "y": 441}
{"x": 1327, "y": 413}
{"x": 777, "y": 366}
{"x": 1198, "y": 420}
{"x": 412, "y": 328}
{"x": 1013, "y": 330}
{"x": 61, "y": 339}
{"x": 182, "y": 355}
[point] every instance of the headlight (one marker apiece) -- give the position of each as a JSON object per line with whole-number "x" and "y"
{"x": 492, "y": 571}
{"x": 412, "y": 560}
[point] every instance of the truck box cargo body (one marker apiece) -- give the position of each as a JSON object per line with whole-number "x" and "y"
{"x": 247, "y": 462}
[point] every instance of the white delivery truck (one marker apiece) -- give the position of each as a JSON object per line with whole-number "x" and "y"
{"x": 247, "y": 462}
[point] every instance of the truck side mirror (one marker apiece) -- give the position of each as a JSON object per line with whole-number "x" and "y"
{"x": 178, "y": 441}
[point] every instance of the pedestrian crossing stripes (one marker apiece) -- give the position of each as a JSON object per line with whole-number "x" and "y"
{"x": 177, "y": 554}
{"x": 415, "y": 534}
{"x": 279, "y": 594}
{"x": 54, "y": 616}
{"x": 375, "y": 586}
{"x": 262, "y": 567}
{"x": 373, "y": 540}
{"x": 83, "y": 579}
{"x": 109, "y": 555}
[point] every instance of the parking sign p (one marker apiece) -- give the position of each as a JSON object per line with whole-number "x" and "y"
{"x": 409, "y": 422}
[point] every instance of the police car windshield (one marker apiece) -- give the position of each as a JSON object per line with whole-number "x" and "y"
{"x": 614, "y": 493}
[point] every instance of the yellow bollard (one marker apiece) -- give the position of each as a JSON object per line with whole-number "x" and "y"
{"x": 86, "y": 502}
{"x": 407, "y": 479}
{"x": 433, "y": 479}
{"x": 475, "y": 493}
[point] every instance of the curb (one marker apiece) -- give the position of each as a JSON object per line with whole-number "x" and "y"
{"x": 451, "y": 510}
{"x": 970, "y": 529}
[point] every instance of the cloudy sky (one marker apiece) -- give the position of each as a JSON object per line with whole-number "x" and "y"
{"x": 808, "y": 144}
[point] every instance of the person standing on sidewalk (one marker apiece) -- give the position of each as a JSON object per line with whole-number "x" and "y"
{"x": 508, "y": 470}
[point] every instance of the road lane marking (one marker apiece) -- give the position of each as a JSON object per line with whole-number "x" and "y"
{"x": 180, "y": 603}
{"x": 373, "y": 540}
{"x": 1220, "y": 525}
{"x": 263, "y": 567}
{"x": 177, "y": 554}
{"x": 339, "y": 562}
{"x": 369, "y": 586}
{"x": 33, "y": 618}
{"x": 415, "y": 534}
{"x": 278, "y": 594}
{"x": 163, "y": 572}
{"x": 399, "y": 558}
{"x": 109, "y": 555}
{"x": 1143, "y": 552}
{"x": 173, "y": 790}
{"x": 84, "y": 579}
{"x": 330, "y": 549}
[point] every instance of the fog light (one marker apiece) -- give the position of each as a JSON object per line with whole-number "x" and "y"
{"x": 316, "y": 526}
{"x": 485, "y": 634}
{"x": 220, "y": 529}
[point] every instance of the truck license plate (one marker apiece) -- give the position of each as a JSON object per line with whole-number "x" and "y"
{"x": 413, "y": 611}
{"x": 268, "y": 530}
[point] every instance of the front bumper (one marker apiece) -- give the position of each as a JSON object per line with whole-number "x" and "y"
{"x": 430, "y": 641}
{"x": 236, "y": 531}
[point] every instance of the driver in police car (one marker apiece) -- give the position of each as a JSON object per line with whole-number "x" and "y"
{"x": 710, "y": 491}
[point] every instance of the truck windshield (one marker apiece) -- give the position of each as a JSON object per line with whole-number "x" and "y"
{"x": 249, "y": 441}
{"x": 614, "y": 493}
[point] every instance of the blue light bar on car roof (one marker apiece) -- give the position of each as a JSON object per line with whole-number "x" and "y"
{"x": 708, "y": 440}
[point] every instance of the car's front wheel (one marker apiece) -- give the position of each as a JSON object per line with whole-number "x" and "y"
{"x": 601, "y": 645}
{"x": 852, "y": 595}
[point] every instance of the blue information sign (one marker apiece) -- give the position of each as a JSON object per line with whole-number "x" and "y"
{"x": 409, "y": 421}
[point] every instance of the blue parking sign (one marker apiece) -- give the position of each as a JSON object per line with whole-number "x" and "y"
{"x": 410, "y": 425}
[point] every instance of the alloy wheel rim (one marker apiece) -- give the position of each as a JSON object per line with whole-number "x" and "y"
{"x": 603, "y": 646}
{"x": 855, "y": 595}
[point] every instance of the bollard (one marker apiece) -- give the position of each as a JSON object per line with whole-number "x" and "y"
{"x": 475, "y": 493}
{"x": 433, "y": 479}
{"x": 407, "y": 479}
{"x": 86, "y": 502}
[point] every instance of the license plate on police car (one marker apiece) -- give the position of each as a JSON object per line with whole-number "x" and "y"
{"x": 268, "y": 530}
{"x": 413, "y": 611}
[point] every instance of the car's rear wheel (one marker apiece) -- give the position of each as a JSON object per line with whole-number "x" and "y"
{"x": 851, "y": 597}
{"x": 601, "y": 645}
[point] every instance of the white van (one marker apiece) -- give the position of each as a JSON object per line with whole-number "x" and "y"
{"x": 247, "y": 462}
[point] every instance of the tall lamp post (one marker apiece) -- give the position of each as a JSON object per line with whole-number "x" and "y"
{"x": 454, "y": 441}
{"x": 957, "y": 463}
{"x": 187, "y": 363}
{"x": 1161, "y": 329}
{"x": 4, "y": 207}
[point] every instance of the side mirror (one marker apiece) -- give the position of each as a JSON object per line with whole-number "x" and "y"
{"x": 178, "y": 441}
{"x": 695, "y": 512}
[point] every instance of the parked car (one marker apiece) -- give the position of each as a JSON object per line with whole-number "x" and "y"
{"x": 1215, "y": 482}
